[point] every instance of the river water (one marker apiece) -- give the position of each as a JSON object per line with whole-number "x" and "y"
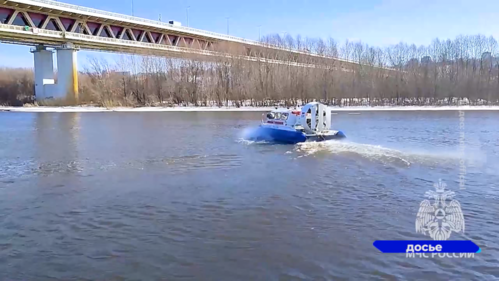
{"x": 179, "y": 196}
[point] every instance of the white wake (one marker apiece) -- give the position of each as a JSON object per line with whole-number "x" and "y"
{"x": 371, "y": 152}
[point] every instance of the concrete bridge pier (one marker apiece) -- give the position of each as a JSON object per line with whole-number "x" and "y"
{"x": 67, "y": 73}
{"x": 44, "y": 71}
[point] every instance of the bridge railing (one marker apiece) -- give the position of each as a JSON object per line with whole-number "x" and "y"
{"x": 183, "y": 28}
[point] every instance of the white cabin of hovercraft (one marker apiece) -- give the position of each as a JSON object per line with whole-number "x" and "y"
{"x": 283, "y": 117}
{"x": 311, "y": 118}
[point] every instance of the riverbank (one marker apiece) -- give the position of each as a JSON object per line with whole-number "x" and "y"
{"x": 230, "y": 109}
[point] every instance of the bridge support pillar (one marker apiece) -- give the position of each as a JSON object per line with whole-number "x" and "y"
{"x": 44, "y": 72}
{"x": 67, "y": 72}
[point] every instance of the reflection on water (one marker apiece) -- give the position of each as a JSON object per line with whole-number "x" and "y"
{"x": 179, "y": 196}
{"x": 56, "y": 140}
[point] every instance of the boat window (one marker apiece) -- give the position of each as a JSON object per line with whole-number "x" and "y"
{"x": 278, "y": 115}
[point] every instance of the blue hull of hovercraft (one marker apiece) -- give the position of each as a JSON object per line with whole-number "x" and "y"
{"x": 290, "y": 137}
{"x": 279, "y": 136}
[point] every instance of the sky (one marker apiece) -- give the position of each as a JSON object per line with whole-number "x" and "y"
{"x": 375, "y": 22}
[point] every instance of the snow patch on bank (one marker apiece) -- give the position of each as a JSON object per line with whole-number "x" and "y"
{"x": 414, "y": 108}
{"x": 128, "y": 109}
{"x": 231, "y": 109}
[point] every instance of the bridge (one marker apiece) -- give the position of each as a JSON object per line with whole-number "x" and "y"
{"x": 68, "y": 28}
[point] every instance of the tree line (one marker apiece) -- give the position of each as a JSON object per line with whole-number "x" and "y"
{"x": 445, "y": 72}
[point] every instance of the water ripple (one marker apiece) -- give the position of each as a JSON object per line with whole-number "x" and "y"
{"x": 104, "y": 197}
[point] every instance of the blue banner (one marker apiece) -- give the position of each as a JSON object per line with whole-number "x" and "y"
{"x": 426, "y": 246}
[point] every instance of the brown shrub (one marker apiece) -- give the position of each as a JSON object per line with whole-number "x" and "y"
{"x": 16, "y": 86}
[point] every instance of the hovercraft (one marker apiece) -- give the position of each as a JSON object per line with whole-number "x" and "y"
{"x": 311, "y": 123}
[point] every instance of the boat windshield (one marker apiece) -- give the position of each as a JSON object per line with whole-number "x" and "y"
{"x": 278, "y": 115}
